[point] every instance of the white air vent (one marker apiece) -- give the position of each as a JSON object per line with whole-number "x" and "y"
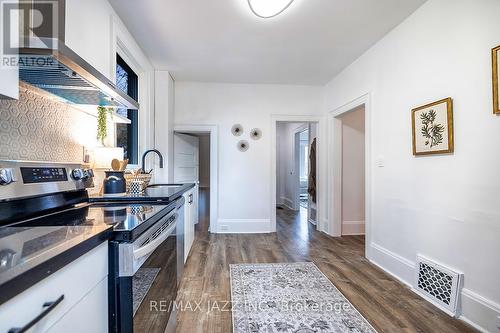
{"x": 439, "y": 284}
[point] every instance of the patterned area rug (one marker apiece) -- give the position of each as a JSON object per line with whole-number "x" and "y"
{"x": 290, "y": 297}
{"x": 141, "y": 283}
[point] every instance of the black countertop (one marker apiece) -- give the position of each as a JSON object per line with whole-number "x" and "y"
{"x": 29, "y": 254}
{"x": 156, "y": 193}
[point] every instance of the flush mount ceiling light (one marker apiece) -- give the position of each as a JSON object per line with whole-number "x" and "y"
{"x": 268, "y": 8}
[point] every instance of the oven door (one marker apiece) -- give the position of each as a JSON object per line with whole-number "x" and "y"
{"x": 146, "y": 287}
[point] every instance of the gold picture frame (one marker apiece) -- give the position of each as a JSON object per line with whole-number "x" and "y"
{"x": 495, "y": 56}
{"x": 434, "y": 134}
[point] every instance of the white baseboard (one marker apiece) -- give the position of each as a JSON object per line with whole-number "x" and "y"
{"x": 400, "y": 268}
{"x": 243, "y": 226}
{"x": 325, "y": 228}
{"x": 479, "y": 312}
{"x": 287, "y": 203}
{"x": 476, "y": 310}
{"x": 351, "y": 228}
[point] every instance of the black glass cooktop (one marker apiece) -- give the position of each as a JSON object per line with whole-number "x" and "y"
{"x": 128, "y": 220}
{"x": 25, "y": 248}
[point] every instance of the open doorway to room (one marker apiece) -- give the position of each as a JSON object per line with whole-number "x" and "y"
{"x": 296, "y": 170}
{"x": 302, "y": 156}
{"x": 353, "y": 171}
{"x": 192, "y": 165}
{"x": 204, "y": 184}
{"x": 349, "y": 181}
{"x": 207, "y": 136}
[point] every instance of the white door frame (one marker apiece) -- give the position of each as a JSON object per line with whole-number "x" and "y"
{"x": 335, "y": 169}
{"x": 322, "y": 223}
{"x": 214, "y": 168}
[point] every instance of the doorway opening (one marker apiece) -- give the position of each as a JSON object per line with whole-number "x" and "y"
{"x": 296, "y": 169}
{"x": 192, "y": 165}
{"x": 354, "y": 120}
{"x": 303, "y": 159}
{"x": 195, "y": 157}
{"x": 204, "y": 184}
{"x": 353, "y": 171}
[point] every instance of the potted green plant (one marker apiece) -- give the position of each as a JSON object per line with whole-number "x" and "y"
{"x": 102, "y": 120}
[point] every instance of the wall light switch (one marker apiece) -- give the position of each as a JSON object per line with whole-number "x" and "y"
{"x": 380, "y": 161}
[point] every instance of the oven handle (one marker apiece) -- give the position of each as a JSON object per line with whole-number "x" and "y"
{"x": 151, "y": 246}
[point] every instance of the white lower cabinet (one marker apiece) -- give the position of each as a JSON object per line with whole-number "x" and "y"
{"x": 194, "y": 208}
{"x": 82, "y": 284}
{"x": 91, "y": 313}
{"x": 190, "y": 218}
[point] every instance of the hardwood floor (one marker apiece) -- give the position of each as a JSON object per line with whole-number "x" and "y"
{"x": 387, "y": 304}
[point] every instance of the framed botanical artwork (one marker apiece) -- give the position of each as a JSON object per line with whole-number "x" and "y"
{"x": 432, "y": 127}
{"x": 495, "y": 54}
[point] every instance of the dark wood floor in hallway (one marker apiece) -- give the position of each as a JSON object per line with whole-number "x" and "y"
{"x": 387, "y": 304}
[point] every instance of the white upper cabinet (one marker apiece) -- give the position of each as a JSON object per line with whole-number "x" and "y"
{"x": 9, "y": 83}
{"x": 9, "y": 72}
{"x": 89, "y": 32}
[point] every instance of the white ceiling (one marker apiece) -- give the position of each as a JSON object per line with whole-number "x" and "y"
{"x": 222, "y": 41}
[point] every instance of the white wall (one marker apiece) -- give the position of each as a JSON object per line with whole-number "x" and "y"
{"x": 444, "y": 207}
{"x": 353, "y": 172}
{"x": 244, "y": 178}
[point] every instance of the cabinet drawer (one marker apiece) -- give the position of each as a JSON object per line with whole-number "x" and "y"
{"x": 93, "y": 306}
{"x": 73, "y": 281}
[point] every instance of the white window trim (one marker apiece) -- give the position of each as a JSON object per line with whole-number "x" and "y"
{"x": 126, "y": 47}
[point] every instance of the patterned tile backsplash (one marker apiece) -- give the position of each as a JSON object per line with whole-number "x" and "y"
{"x": 37, "y": 128}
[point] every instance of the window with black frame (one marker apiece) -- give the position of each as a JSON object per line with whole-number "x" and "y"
{"x": 127, "y": 134}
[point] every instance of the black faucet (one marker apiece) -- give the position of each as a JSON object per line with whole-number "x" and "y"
{"x": 144, "y": 158}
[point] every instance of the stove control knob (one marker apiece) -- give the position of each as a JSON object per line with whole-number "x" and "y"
{"x": 6, "y": 176}
{"x": 77, "y": 174}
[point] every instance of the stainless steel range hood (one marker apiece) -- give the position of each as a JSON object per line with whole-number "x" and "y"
{"x": 49, "y": 64}
{"x": 63, "y": 73}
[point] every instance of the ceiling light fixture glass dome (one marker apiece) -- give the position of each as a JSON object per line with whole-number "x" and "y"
{"x": 268, "y": 8}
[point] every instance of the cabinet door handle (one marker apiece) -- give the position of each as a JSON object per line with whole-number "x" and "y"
{"x": 190, "y": 199}
{"x": 49, "y": 306}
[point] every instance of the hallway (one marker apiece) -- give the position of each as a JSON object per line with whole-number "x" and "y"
{"x": 201, "y": 228}
{"x": 387, "y": 304}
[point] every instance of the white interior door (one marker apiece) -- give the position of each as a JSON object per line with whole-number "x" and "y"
{"x": 186, "y": 161}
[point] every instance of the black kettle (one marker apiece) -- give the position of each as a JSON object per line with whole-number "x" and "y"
{"x": 114, "y": 184}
